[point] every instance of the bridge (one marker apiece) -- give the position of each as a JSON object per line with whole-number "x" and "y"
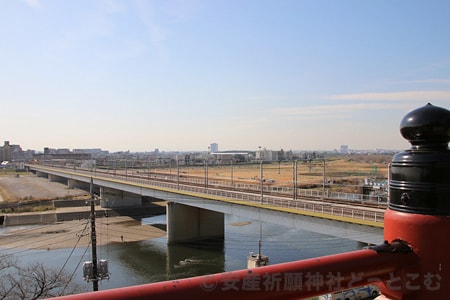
{"x": 197, "y": 212}
{"x": 412, "y": 262}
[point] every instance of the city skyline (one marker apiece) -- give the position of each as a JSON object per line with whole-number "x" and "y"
{"x": 342, "y": 149}
{"x": 177, "y": 76}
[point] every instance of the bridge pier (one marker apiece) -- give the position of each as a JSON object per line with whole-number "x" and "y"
{"x": 55, "y": 178}
{"x": 111, "y": 198}
{"x": 187, "y": 223}
{"x": 41, "y": 174}
{"x": 73, "y": 183}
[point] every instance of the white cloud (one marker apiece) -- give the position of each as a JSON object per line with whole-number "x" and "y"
{"x": 34, "y": 3}
{"x": 435, "y": 80}
{"x": 333, "y": 110}
{"x": 157, "y": 33}
{"x": 396, "y": 96}
{"x": 352, "y": 103}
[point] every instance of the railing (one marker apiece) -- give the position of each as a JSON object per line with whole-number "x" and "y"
{"x": 378, "y": 200}
{"x": 313, "y": 200}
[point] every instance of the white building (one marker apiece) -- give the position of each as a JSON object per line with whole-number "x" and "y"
{"x": 214, "y": 147}
{"x": 266, "y": 155}
{"x": 344, "y": 149}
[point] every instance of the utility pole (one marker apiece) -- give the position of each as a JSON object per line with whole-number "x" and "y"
{"x": 259, "y": 260}
{"x": 323, "y": 180}
{"x": 232, "y": 180}
{"x": 178, "y": 174}
{"x": 93, "y": 240}
{"x": 206, "y": 173}
{"x": 294, "y": 178}
{"x": 94, "y": 270}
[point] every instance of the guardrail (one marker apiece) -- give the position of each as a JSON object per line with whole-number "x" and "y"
{"x": 307, "y": 200}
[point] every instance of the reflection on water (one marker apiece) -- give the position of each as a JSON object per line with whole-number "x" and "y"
{"x": 154, "y": 260}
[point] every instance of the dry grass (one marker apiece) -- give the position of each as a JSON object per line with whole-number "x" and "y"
{"x": 345, "y": 171}
{"x": 29, "y": 187}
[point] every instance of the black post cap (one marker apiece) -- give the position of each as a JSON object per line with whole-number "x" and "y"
{"x": 427, "y": 126}
{"x": 420, "y": 177}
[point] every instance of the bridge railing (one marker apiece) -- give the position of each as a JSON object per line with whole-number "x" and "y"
{"x": 298, "y": 204}
{"x": 310, "y": 202}
{"x": 143, "y": 177}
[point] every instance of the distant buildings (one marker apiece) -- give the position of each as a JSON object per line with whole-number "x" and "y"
{"x": 94, "y": 152}
{"x": 231, "y": 157}
{"x": 61, "y": 156}
{"x": 214, "y": 147}
{"x": 10, "y": 152}
{"x": 266, "y": 155}
{"x": 5, "y": 152}
{"x": 13, "y": 156}
{"x": 344, "y": 149}
{"x": 274, "y": 155}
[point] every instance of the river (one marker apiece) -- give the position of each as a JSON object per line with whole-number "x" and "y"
{"x": 153, "y": 260}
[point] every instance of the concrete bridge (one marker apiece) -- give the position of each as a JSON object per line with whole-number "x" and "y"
{"x": 411, "y": 263}
{"x": 195, "y": 213}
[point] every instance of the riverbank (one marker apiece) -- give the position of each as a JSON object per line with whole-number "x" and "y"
{"x": 26, "y": 186}
{"x": 68, "y": 227}
{"x": 76, "y": 233}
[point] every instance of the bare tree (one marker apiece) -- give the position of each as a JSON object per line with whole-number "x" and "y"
{"x": 33, "y": 282}
{"x": 6, "y": 267}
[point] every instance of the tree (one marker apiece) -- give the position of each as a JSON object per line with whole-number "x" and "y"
{"x": 34, "y": 281}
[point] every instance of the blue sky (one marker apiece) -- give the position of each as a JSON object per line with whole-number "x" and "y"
{"x": 179, "y": 75}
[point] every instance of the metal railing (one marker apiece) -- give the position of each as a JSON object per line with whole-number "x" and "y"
{"x": 307, "y": 200}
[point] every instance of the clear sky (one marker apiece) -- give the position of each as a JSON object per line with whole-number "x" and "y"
{"x": 179, "y": 75}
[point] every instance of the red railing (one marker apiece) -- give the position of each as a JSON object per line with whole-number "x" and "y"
{"x": 293, "y": 280}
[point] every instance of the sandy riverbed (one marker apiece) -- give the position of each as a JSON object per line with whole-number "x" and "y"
{"x": 71, "y": 234}
{"x": 66, "y": 234}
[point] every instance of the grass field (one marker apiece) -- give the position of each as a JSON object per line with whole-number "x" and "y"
{"x": 342, "y": 174}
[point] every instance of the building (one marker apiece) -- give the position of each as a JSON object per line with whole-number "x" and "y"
{"x": 214, "y": 147}
{"x": 10, "y": 152}
{"x": 62, "y": 156}
{"x": 231, "y": 157}
{"x": 5, "y": 152}
{"x": 344, "y": 149}
{"x": 95, "y": 152}
{"x": 266, "y": 155}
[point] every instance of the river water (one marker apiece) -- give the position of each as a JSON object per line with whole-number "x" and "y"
{"x": 153, "y": 260}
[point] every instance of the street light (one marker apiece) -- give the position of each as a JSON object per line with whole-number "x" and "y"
{"x": 232, "y": 183}
{"x": 178, "y": 174}
{"x": 206, "y": 173}
{"x": 323, "y": 181}
{"x": 262, "y": 180}
{"x": 294, "y": 178}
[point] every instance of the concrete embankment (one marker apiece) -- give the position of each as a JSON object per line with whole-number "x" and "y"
{"x": 29, "y": 219}
{"x": 64, "y": 212}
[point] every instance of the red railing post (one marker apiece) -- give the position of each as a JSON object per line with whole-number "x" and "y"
{"x": 419, "y": 206}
